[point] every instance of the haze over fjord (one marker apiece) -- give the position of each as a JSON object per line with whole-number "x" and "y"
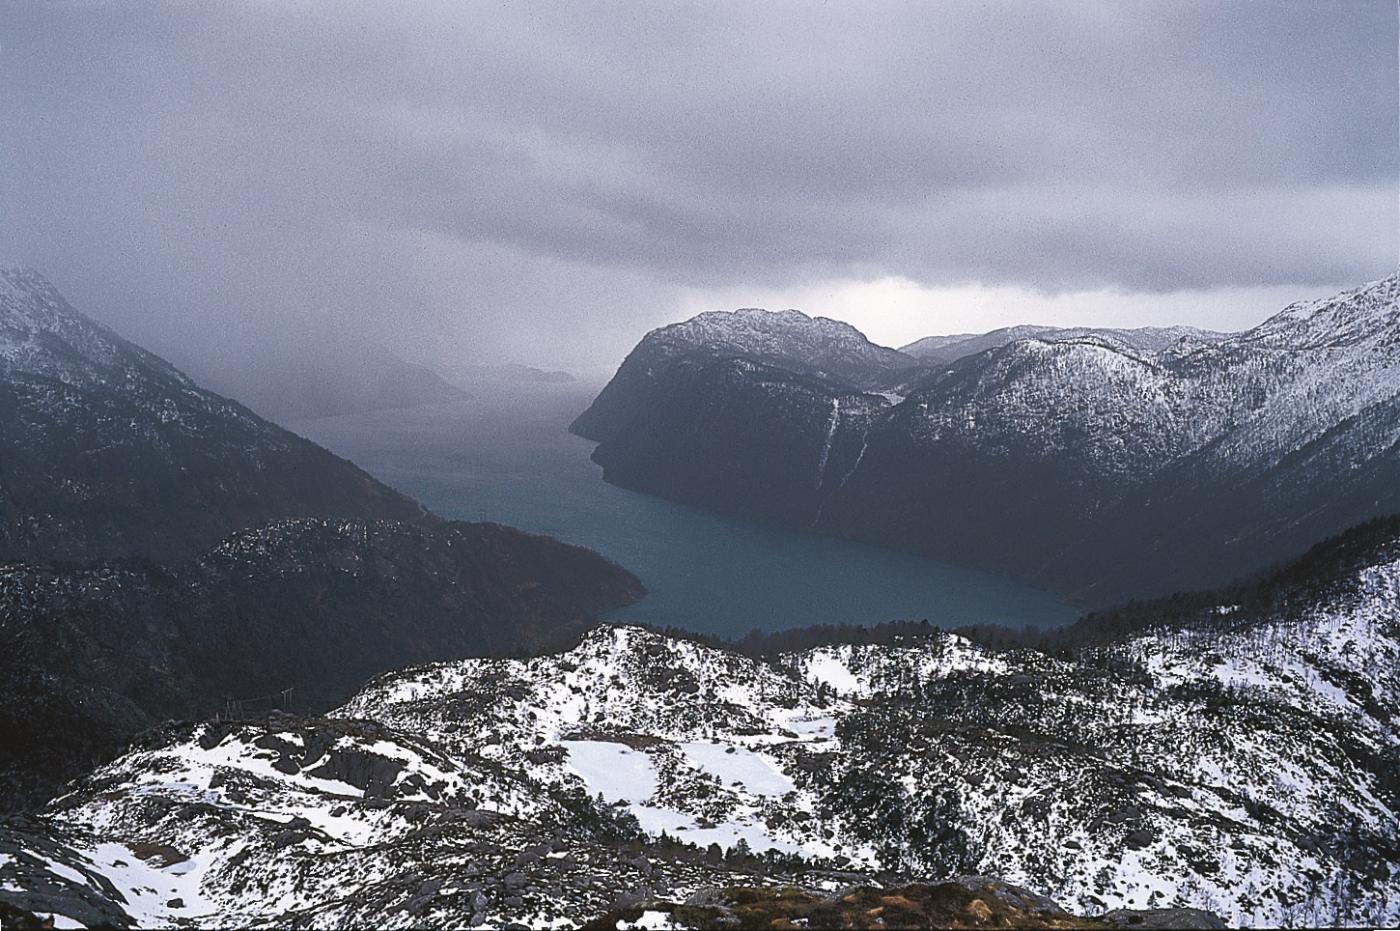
{"x": 493, "y": 182}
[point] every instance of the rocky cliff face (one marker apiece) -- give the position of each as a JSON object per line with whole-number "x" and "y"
{"x": 1099, "y": 464}
{"x": 1236, "y": 755}
{"x": 108, "y": 451}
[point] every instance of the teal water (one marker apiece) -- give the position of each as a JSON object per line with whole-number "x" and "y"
{"x": 507, "y": 456}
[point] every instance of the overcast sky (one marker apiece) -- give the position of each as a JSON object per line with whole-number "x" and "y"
{"x": 544, "y": 183}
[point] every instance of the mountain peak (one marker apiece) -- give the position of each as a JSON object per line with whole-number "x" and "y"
{"x": 23, "y": 277}
{"x": 753, "y": 329}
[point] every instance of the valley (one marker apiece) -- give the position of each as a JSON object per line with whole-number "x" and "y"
{"x": 699, "y": 467}
{"x": 494, "y": 727}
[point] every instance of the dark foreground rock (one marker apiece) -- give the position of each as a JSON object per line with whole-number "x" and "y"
{"x": 966, "y": 902}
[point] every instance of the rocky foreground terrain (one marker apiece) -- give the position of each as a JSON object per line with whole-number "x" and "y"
{"x": 1235, "y": 754}
{"x": 1101, "y": 464}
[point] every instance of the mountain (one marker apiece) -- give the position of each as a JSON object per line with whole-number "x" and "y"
{"x": 1234, "y": 753}
{"x": 507, "y": 373}
{"x": 1102, "y": 466}
{"x": 164, "y": 553}
{"x": 940, "y": 350}
{"x": 821, "y": 350}
{"x": 108, "y": 451}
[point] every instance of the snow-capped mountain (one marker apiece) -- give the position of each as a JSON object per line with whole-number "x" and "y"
{"x": 941, "y": 350}
{"x": 1100, "y": 464}
{"x": 1237, "y": 755}
{"x": 108, "y": 450}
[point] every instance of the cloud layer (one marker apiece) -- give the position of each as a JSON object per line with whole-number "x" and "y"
{"x": 546, "y": 182}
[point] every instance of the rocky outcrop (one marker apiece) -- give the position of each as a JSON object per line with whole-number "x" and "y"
{"x": 965, "y": 902}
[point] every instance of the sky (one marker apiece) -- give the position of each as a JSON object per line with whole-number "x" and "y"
{"x": 543, "y": 183}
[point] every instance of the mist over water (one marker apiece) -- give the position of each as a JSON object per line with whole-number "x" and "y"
{"x": 506, "y": 455}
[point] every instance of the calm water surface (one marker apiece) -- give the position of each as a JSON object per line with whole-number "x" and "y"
{"x": 507, "y": 456}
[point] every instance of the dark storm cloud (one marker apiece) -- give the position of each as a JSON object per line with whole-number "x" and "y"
{"x": 467, "y": 169}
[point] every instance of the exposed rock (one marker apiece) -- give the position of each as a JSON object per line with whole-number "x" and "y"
{"x": 962, "y": 903}
{"x": 1186, "y": 919}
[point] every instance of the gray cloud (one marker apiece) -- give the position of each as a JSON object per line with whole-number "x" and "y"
{"x": 521, "y": 179}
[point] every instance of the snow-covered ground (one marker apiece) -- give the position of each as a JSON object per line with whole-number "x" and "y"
{"x": 1244, "y": 766}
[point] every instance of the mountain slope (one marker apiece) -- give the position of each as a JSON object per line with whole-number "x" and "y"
{"x": 107, "y": 450}
{"x": 313, "y": 608}
{"x": 1099, "y": 464}
{"x": 1238, "y": 756}
{"x": 164, "y": 552}
{"x": 941, "y": 350}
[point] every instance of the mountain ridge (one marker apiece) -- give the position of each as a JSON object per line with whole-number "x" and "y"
{"x": 299, "y": 610}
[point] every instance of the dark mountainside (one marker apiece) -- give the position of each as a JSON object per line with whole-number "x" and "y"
{"x": 92, "y": 656}
{"x": 164, "y": 551}
{"x": 822, "y": 349}
{"x": 1101, "y": 465}
{"x": 109, "y": 451}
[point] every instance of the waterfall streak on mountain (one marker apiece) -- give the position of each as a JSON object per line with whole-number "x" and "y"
{"x": 826, "y": 444}
{"x": 841, "y": 482}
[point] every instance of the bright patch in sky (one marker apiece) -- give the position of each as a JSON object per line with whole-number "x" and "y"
{"x": 895, "y": 311}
